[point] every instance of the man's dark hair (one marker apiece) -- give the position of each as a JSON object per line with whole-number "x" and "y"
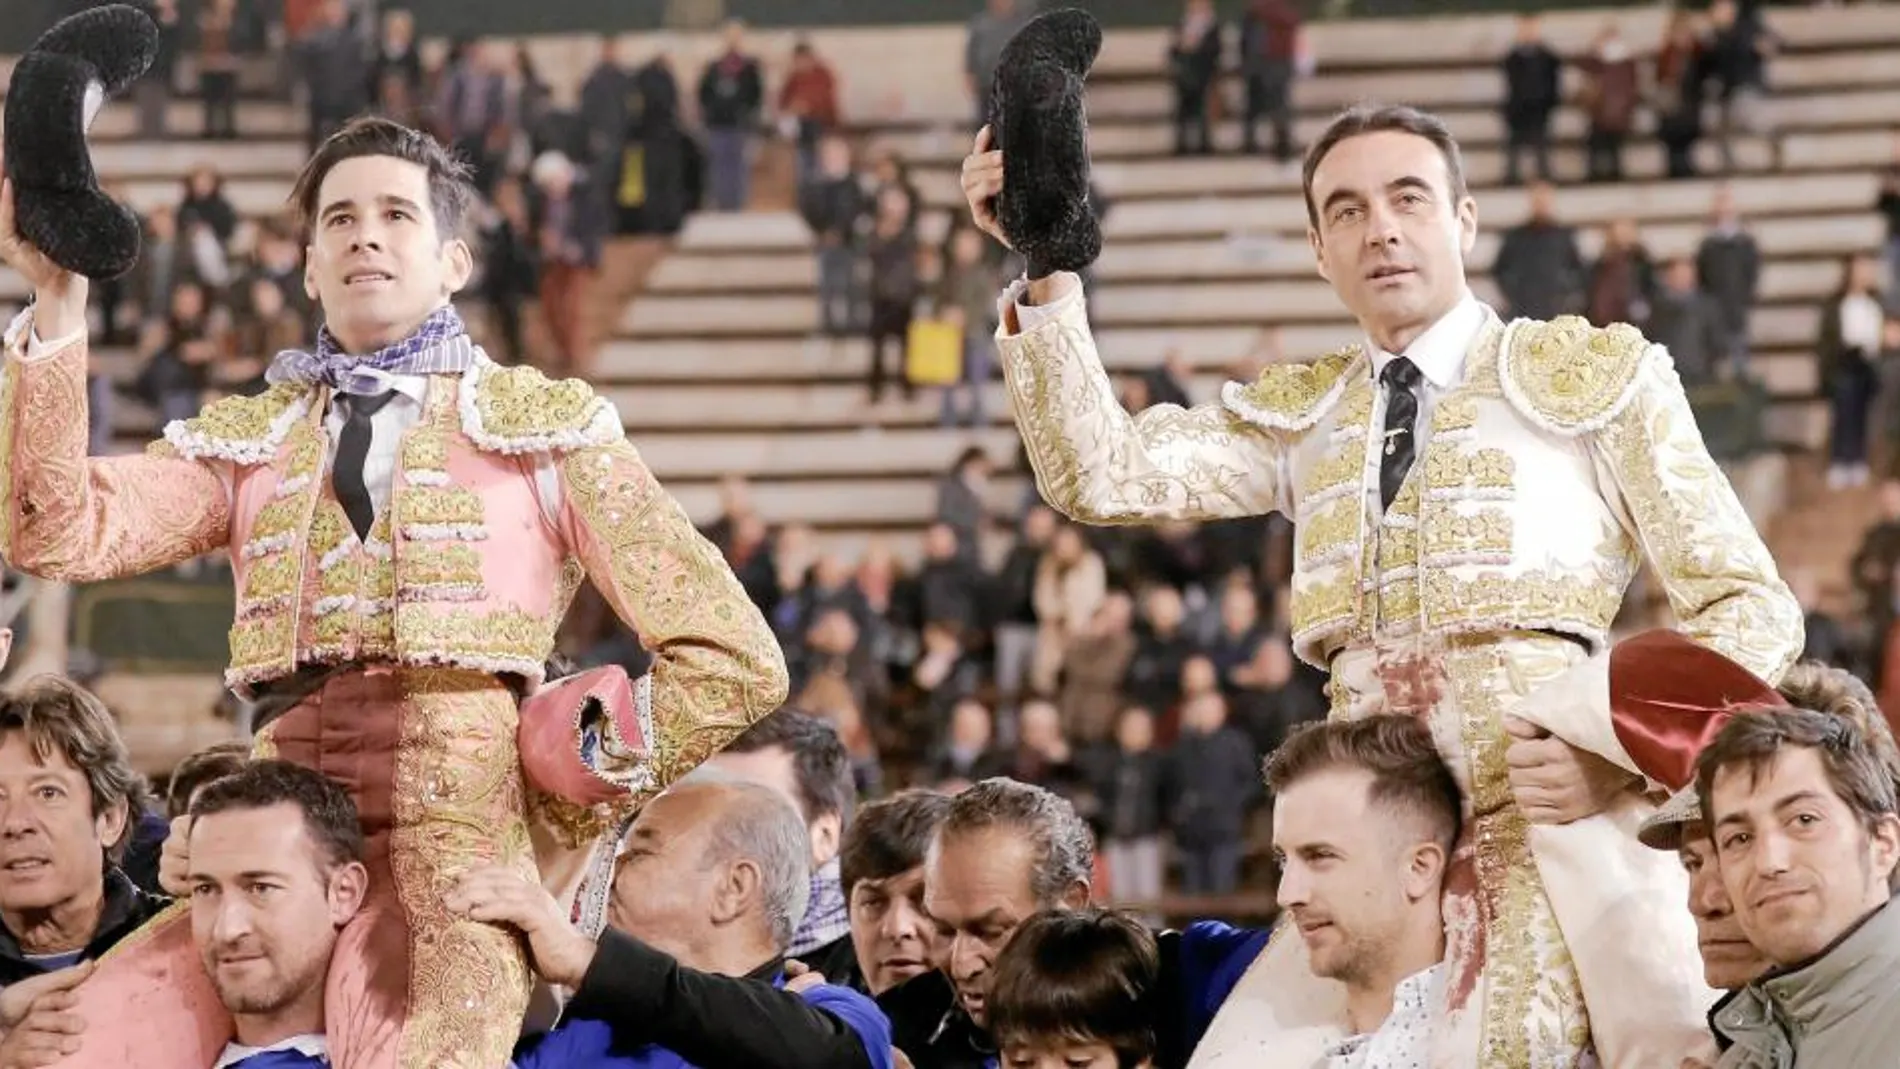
{"x": 328, "y": 813}
{"x": 1063, "y": 845}
{"x": 890, "y": 837}
{"x": 214, "y": 762}
{"x": 59, "y": 716}
{"x": 1751, "y": 740}
{"x": 1086, "y": 976}
{"x": 1408, "y": 775}
{"x": 450, "y": 193}
{"x": 819, "y": 761}
{"x": 1379, "y": 118}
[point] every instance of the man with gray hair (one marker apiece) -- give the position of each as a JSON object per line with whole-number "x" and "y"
{"x": 712, "y": 879}
{"x": 1004, "y": 852}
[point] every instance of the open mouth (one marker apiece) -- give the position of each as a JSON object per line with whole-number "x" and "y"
{"x": 27, "y": 865}
{"x": 1382, "y": 274}
{"x": 367, "y": 278}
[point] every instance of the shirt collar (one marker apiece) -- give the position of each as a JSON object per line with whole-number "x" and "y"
{"x": 313, "y": 1045}
{"x": 1411, "y": 997}
{"x": 1440, "y": 351}
{"x": 414, "y": 387}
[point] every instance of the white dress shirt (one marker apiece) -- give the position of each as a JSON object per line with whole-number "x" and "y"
{"x": 386, "y": 429}
{"x": 314, "y": 1045}
{"x": 1404, "y": 1039}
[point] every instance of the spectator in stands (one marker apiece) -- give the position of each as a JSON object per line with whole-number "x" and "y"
{"x": 153, "y": 93}
{"x": 882, "y": 868}
{"x": 1239, "y": 633}
{"x": 1162, "y": 647}
{"x": 511, "y": 268}
{"x": 1623, "y": 280}
{"x": 1887, "y": 203}
{"x": 198, "y": 771}
{"x": 1014, "y": 602}
{"x": 70, "y": 795}
{"x": 267, "y": 326}
{"x": 395, "y": 70}
{"x": 531, "y": 124}
{"x": 1071, "y": 582}
{"x": 711, "y": 884}
{"x": 150, "y": 284}
{"x": 731, "y": 95}
{"x": 889, "y": 171}
{"x": 962, "y": 500}
{"x": 1690, "y": 324}
{"x": 670, "y": 179}
{"x": 1364, "y": 818}
{"x": 1273, "y": 694}
{"x": 606, "y": 114}
{"x": 1168, "y": 382}
{"x": 218, "y": 69}
{"x": 990, "y": 30}
{"x": 570, "y": 234}
{"x": 1093, "y": 666}
{"x": 334, "y": 74}
{"x": 968, "y": 297}
{"x": 1739, "y": 43}
{"x": 834, "y": 204}
{"x": 1214, "y": 783}
{"x": 471, "y": 109}
{"x": 965, "y": 756}
{"x": 1850, "y": 343}
{"x": 1808, "y": 837}
{"x": 1678, "y": 92}
{"x": 1270, "y": 51}
{"x": 1004, "y": 852}
{"x": 205, "y": 204}
{"x": 1612, "y": 91}
{"x": 1079, "y": 990}
{"x": 1539, "y": 269}
{"x": 803, "y": 759}
{"x": 894, "y": 288}
{"x": 1532, "y": 92}
{"x": 1131, "y": 784}
{"x": 809, "y": 102}
{"x": 1728, "y": 267}
{"x": 179, "y": 352}
{"x": 1194, "y": 57}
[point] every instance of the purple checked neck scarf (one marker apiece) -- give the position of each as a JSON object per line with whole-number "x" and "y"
{"x": 440, "y": 346}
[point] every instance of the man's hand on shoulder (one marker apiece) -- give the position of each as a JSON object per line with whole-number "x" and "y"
{"x": 17, "y": 1001}
{"x": 560, "y": 953}
{"x": 49, "y": 1033}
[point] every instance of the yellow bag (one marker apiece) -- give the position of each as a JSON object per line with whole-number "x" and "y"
{"x": 933, "y": 355}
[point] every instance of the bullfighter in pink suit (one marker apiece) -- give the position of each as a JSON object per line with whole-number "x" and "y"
{"x": 407, "y": 522}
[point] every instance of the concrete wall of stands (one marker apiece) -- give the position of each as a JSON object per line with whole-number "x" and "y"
{"x": 25, "y": 19}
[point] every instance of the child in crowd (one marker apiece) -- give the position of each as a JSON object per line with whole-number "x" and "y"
{"x": 1076, "y": 990}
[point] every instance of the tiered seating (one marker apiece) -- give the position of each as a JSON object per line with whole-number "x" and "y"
{"x": 715, "y": 370}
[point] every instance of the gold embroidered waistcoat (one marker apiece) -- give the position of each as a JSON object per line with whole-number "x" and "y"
{"x": 461, "y": 566}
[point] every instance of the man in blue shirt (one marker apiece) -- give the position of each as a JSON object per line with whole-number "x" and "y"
{"x": 712, "y": 880}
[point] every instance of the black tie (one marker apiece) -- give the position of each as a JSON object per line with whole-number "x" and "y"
{"x": 352, "y": 449}
{"x": 1401, "y": 418}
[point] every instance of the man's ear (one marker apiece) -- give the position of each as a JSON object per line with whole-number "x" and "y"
{"x": 349, "y": 886}
{"x": 1885, "y": 846}
{"x": 1076, "y": 897}
{"x": 310, "y": 273}
{"x": 1424, "y": 875}
{"x": 737, "y": 892}
{"x": 458, "y": 265}
{"x": 111, "y": 823}
{"x": 1467, "y": 225}
{"x": 826, "y": 831}
{"x": 1319, "y": 250}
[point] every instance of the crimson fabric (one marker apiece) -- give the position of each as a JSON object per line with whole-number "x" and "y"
{"x": 1669, "y": 695}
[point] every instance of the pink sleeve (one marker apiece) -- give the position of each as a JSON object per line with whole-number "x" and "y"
{"x": 73, "y": 518}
